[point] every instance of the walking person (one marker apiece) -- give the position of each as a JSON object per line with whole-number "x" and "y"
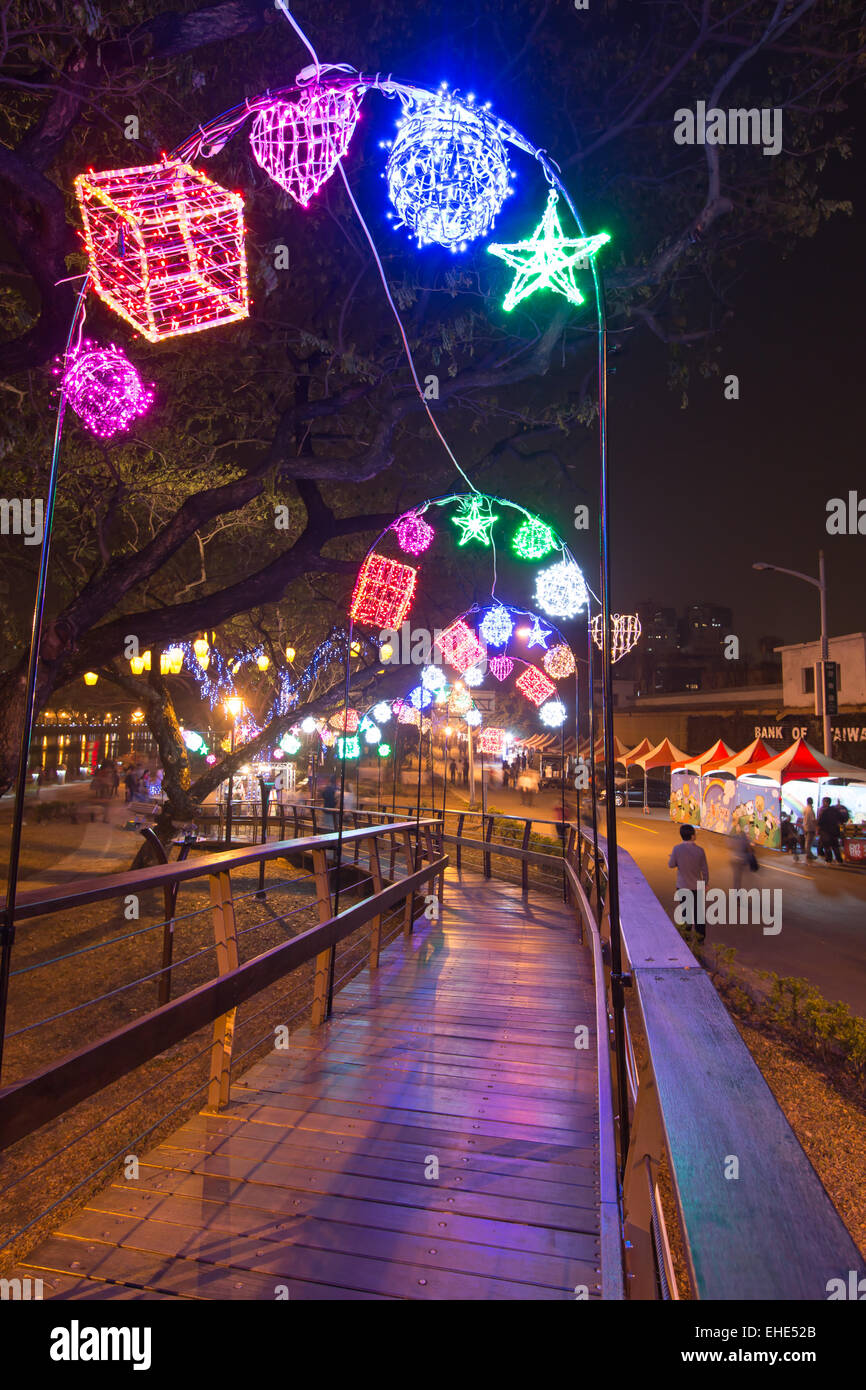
{"x": 743, "y": 858}
{"x": 829, "y": 827}
{"x": 690, "y": 862}
{"x": 452, "y": 771}
{"x": 329, "y": 802}
{"x": 465, "y": 771}
{"x": 810, "y": 828}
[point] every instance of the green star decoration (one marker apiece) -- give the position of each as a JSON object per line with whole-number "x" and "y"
{"x": 475, "y": 518}
{"x": 548, "y": 260}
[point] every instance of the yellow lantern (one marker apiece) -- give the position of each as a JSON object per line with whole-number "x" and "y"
{"x": 175, "y": 657}
{"x": 202, "y": 652}
{"x": 146, "y": 660}
{"x": 164, "y": 664}
{"x": 137, "y": 716}
{"x": 263, "y": 662}
{"x": 355, "y": 648}
{"x": 290, "y": 654}
{"x": 136, "y": 665}
{"x": 234, "y": 706}
{"x": 386, "y": 651}
{"x": 90, "y": 678}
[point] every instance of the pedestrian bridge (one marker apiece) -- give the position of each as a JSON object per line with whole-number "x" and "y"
{"x": 382, "y": 1064}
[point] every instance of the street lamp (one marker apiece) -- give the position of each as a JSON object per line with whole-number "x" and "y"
{"x": 234, "y": 707}
{"x": 821, "y": 585}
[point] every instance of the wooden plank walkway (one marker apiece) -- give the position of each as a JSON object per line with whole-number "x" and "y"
{"x": 437, "y": 1138}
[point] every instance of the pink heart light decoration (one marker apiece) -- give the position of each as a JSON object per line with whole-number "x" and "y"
{"x": 298, "y": 143}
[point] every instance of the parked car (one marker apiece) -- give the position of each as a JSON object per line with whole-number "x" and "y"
{"x": 631, "y": 794}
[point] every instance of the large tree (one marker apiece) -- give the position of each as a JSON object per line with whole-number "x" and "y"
{"x": 170, "y": 530}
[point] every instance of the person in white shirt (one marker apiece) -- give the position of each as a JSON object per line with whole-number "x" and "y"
{"x": 690, "y": 862}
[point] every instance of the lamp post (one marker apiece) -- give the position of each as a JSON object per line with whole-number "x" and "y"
{"x": 234, "y": 707}
{"x": 821, "y": 585}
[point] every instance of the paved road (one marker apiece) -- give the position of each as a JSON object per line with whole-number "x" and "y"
{"x": 822, "y": 908}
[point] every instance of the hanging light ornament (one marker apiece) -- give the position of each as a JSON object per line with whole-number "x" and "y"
{"x": 433, "y": 678}
{"x": 383, "y": 593}
{"x": 381, "y": 712}
{"x": 538, "y": 635}
{"x": 201, "y": 650}
{"x": 501, "y": 667}
{"x": 165, "y": 247}
{"x": 535, "y": 685}
{"x": 407, "y": 714}
{"x": 348, "y": 747}
{"x": 473, "y": 676}
{"x": 559, "y": 662}
{"x": 103, "y": 388}
{"x": 299, "y": 143}
{"x": 290, "y": 743}
{"x": 548, "y": 260}
{"x": 560, "y": 590}
{"x": 460, "y": 701}
{"x": 414, "y": 534}
{"x": 475, "y": 517}
{"x": 372, "y": 734}
{"x": 448, "y": 172}
{"x": 473, "y": 717}
{"x": 491, "y": 740}
{"x": 421, "y": 698}
{"x": 534, "y": 540}
{"x": 459, "y": 646}
{"x": 384, "y": 750}
{"x": 625, "y": 630}
{"x": 309, "y": 725}
{"x": 345, "y": 722}
{"x": 552, "y": 714}
{"x": 496, "y": 626}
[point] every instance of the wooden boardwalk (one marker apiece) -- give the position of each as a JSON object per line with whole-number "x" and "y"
{"x": 437, "y": 1138}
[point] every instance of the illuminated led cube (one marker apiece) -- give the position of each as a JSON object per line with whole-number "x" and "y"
{"x": 165, "y": 246}
{"x": 491, "y": 740}
{"x": 383, "y": 593}
{"x": 535, "y": 685}
{"x": 459, "y": 646}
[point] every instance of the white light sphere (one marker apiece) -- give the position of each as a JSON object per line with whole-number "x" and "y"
{"x": 433, "y": 678}
{"x": 309, "y": 725}
{"x": 382, "y": 713}
{"x": 473, "y": 676}
{"x": 552, "y": 713}
{"x": 447, "y": 172}
{"x": 496, "y": 626}
{"x": 372, "y": 734}
{"x": 473, "y": 717}
{"x": 560, "y": 591}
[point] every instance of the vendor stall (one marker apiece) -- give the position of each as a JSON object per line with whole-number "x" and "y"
{"x": 719, "y": 786}
{"x": 685, "y": 803}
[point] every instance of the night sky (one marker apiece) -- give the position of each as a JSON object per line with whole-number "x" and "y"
{"x": 698, "y": 494}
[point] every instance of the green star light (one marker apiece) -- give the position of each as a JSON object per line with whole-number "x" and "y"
{"x": 548, "y": 260}
{"x": 475, "y": 519}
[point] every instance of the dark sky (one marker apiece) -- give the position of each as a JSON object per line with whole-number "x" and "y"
{"x": 698, "y": 494}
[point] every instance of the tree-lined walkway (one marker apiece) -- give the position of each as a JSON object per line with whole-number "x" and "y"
{"x": 437, "y": 1138}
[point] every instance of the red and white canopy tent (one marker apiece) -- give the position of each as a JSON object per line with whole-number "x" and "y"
{"x": 665, "y": 754}
{"x": 801, "y": 762}
{"x": 747, "y": 760}
{"x": 718, "y": 752}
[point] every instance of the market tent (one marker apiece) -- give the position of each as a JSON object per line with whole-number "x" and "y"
{"x": 747, "y": 760}
{"x": 637, "y": 752}
{"x": 665, "y": 754}
{"x": 719, "y": 752}
{"x": 803, "y": 763}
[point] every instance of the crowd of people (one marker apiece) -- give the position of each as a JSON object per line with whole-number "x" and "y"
{"x": 823, "y": 827}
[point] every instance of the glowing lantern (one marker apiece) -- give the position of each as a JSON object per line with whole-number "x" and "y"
{"x": 290, "y": 744}
{"x": 459, "y": 646}
{"x": 501, "y": 667}
{"x": 372, "y": 734}
{"x": 534, "y": 540}
{"x": 448, "y": 172}
{"x": 420, "y": 697}
{"x": 263, "y": 662}
{"x": 473, "y": 676}
{"x": 473, "y": 717}
{"x": 433, "y": 678}
{"x": 290, "y": 655}
{"x": 535, "y": 685}
{"x": 346, "y": 722}
{"x": 552, "y": 714}
{"x": 381, "y": 713}
{"x": 165, "y": 245}
{"x": 491, "y": 740}
{"x": 90, "y": 678}
{"x": 496, "y": 626}
{"x": 558, "y": 662}
{"x": 104, "y": 389}
{"x": 201, "y": 651}
{"x": 298, "y": 143}
{"x": 560, "y": 590}
{"x": 384, "y": 750}
{"x": 383, "y": 593}
{"x": 414, "y": 534}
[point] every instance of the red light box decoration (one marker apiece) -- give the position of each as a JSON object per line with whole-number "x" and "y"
{"x": 535, "y": 685}
{"x": 346, "y": 722}
{"x": 383, "y": 592}
{"x": 491, "y": 740}
{"x": 165, "y": 246}
{"x": 459, "y": 646}
{"x": 298, "y": 143}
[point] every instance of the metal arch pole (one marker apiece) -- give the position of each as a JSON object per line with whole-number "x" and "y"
{"x": 7, "y": 930}
{"x": 617, "y": 978}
